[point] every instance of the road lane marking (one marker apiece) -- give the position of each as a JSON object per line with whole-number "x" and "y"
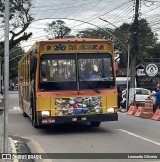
{"x": 141, "y": 137}
{"x": 16, "y": 108}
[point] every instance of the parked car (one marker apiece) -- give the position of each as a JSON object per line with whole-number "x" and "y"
{"x": 140, "y": 95}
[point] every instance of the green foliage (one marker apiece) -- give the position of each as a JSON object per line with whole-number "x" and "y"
{"x": 98, "y": 33}
{"x": 20, "y": 18}
{"x": 155, "y": 51}
{"x": 15, "y": 55}
{"x": 18, "y": 10}
{"x": 147, "y": 39}
{"x": 57, "y": 29}
{"x": 123, "y": 34}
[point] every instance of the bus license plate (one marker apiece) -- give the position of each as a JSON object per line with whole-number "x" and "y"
{"x": 79, "y": 119}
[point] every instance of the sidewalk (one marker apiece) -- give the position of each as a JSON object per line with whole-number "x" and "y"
{"x": 11, "y": 145}
{"x": 122, "y": 110}
{"x": 11, "y": 149}
{"x": 15, "y": 145}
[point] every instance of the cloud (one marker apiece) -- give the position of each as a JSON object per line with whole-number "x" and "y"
{"x": 87, "y": 12}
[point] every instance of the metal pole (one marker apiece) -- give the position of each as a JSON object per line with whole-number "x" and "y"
{"x": 0, "y": 75}
{"x": 112, "y": 34}
{"x": 134, "y": 50}
{"x": 127, "y": 92}
{"x": 6, "y": 77}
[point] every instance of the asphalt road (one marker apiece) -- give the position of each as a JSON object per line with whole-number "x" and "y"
{"x": 128, "y": 135}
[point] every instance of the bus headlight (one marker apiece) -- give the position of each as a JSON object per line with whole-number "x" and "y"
{"x": 110, "y": 110}
{"x": 45, "y": 113}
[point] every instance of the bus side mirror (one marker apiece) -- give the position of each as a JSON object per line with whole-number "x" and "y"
{"x": 33, "y": 66}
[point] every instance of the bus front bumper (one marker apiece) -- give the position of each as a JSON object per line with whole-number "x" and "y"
{"x": 77, "y": 118}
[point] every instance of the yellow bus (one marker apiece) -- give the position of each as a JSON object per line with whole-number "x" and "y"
{"x": 68, "y": 80}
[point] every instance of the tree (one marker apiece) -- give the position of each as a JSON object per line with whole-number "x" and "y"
{"x": 147, "y": 39}
{"x": 94, "y": 33}
{"x": 15, "y": 55}
{"x": 123, "y": 34}
{"x": 154, "y": 52}
{"x": 20, "y": 18}
{"x": 57, "y": 29}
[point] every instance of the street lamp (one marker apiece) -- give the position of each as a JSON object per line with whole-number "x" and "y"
{"x": 128, "y": 64}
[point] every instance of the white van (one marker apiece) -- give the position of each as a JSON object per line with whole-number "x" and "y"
{"x": 140, "y": 95}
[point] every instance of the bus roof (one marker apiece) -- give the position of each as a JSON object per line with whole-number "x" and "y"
{"x": 66, "y": 40}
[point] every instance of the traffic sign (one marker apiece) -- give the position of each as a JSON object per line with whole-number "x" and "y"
{"x": 141, "y": 72}
{"x": 151, "y": 70}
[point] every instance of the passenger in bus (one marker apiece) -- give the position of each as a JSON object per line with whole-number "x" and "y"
{"x": 43, "y": 71}
{"x": 56, "y": 76}
{"x": 59, "y": 76}
{"x": 72, "y": 76}
{"x": 87, "y": 70}
{"x": 95, "y": 75}
{"x": 91, "y": 73}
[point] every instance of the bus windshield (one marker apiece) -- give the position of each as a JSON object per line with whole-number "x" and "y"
{"x": 95, "y": 69}
{"x": 75, "y": 71}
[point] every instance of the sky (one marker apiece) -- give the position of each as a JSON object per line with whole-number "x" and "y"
{"x": 82, "y": 14}
{"x": 78, "y": 14}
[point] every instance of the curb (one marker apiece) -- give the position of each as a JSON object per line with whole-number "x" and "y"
{"x": 37, "y": 147}
{"x": 22, "y": 146}
{"x": 27, "y": 145}
{"x": 13, "y": 148}
{"x": 122, "y": 110}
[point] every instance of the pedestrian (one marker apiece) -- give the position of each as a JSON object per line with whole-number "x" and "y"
{"x": 12, "y": 86}
{"x": 119, "y": 96}
{"x": 156, "y": 105}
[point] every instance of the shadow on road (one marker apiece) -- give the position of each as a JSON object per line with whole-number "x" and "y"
{"x": 73, "y": 128}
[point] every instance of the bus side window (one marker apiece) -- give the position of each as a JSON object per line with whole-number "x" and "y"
{"x": 43, "y": 70}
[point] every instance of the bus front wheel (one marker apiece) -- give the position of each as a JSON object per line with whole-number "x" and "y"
{"x": 95, "y": 124}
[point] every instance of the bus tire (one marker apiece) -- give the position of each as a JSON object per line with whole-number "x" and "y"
{"x": 34, "y": 115}
{"x": 34, "y": 120}
{"x": 95, "y": 124}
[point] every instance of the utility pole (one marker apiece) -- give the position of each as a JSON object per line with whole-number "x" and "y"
{"x": 134, "y": 51}
{"x": 0, "y": 75}
{"x": 6, "y": 78}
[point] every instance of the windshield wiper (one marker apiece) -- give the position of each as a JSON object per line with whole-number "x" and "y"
{"x": 86, "y": 81}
